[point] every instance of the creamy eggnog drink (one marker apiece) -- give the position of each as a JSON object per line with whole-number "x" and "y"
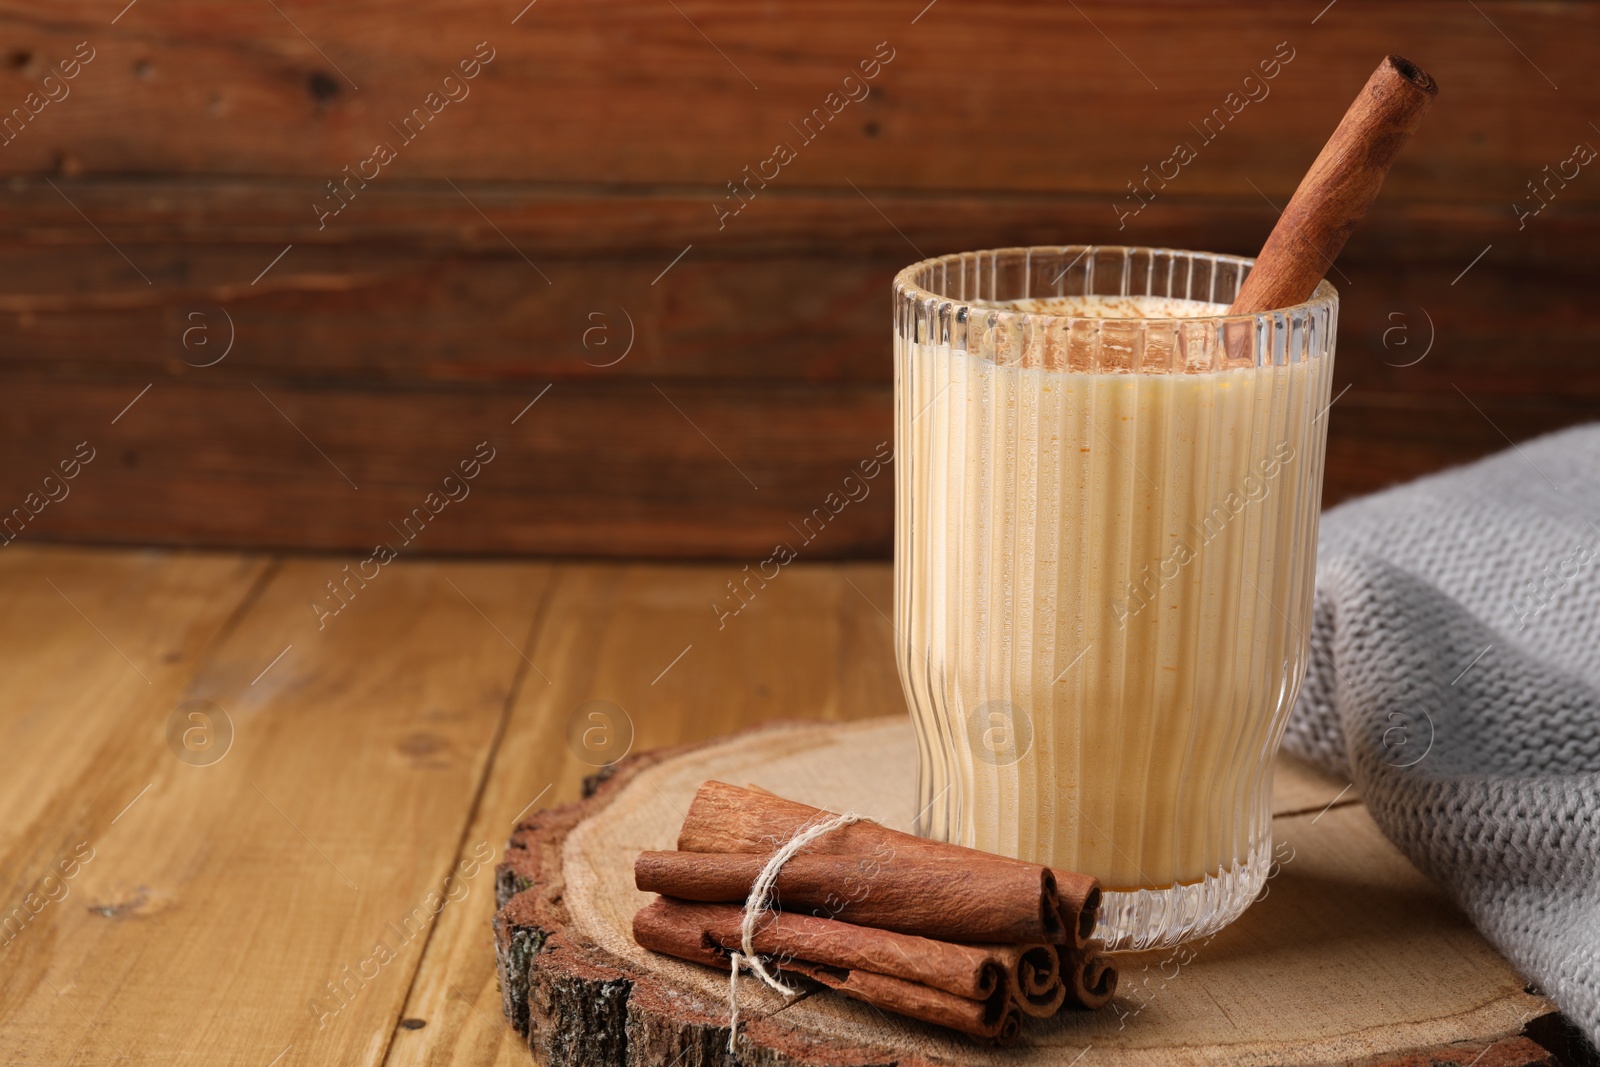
{"x": 1106, "y": 526}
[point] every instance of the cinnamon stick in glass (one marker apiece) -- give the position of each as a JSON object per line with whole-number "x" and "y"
{"x": 1338, "y": 189}
{"x": 726, "y": 819}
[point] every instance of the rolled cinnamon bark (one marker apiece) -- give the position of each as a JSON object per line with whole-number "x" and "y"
{"x": 998, "y": 1019}
{"x": 724, "y": 818}
{"x": 1034, "y": 974}
{"x": 1089, "y": 974}
{"x": 948, "y": 900}
{"x": 656, "y": 928}
{"x": 970, "y": 971}
{"x": 660, "y": 927}
{"x": 1336, "y": 192}
{"x": 1080, "y": 903}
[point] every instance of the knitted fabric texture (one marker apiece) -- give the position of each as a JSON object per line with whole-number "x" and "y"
{"x": 1455, "y": 679}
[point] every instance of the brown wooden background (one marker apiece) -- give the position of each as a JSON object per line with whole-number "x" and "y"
{"x": 458, "y": 285}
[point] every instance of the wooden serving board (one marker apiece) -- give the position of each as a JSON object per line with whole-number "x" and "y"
{"x": 1351, "y": 955}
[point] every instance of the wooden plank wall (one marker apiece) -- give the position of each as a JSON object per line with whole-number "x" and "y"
{"x": 556, "y": 234}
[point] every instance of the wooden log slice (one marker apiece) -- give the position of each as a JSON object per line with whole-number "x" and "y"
{"x": 1350, "y": 956}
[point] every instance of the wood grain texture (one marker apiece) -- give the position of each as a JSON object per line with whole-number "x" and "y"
{"x": 1343, "y": 910}
{"x": 426, "y": 292}
{"x": 320, "y": 846}
{"x": 386, "y": 748}
{"x": 597, "y": 146}
{"x": 688, "y": 470}
{"x": 664, "y": 470}
{"x": 811, "y": 645}
{"x": 200, "y": 87}
{"x": 99, "y": 651}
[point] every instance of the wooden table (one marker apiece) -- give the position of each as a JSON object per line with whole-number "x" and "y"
{"x": 255, "y": 836}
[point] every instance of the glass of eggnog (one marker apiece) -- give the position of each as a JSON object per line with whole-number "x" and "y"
{"x": 1107, "y": 493}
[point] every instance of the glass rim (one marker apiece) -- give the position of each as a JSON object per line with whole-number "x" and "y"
{"x": 1325, "y": 296}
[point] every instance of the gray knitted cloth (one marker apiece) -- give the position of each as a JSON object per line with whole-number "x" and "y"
{"x": 1455, "y": 679}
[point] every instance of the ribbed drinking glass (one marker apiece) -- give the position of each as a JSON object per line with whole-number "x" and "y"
{"x": 1107, "y": 493}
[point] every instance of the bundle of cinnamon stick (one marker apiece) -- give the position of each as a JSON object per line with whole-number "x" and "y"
{"x": 938, "y": 932}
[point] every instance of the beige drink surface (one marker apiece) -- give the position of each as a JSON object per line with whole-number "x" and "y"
{"x": 1094, "y": 599}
